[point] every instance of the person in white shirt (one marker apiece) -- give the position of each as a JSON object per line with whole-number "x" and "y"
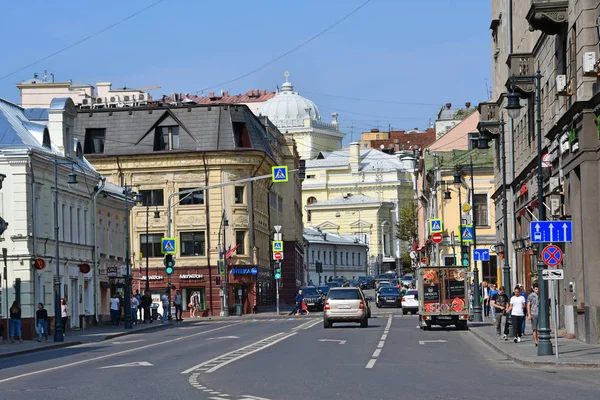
{"x": 517, "y": 312}
{"x": 165, "y": 304}
{"x": 134, "y": 308}
{"x": 114, "y": 310}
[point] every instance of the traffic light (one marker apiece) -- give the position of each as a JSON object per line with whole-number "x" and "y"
{"x": 465, "y": 255}
{"x": 169, "y": 264}
{"x": 277, "y": 273}
{"x": 218, "y": 281}
{"x": 302, "y": 169}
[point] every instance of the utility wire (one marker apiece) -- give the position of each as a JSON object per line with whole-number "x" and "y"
{"x": 330, "y": 27}
{"x": 82, "y": 40}
{"x": 373, "y": 100}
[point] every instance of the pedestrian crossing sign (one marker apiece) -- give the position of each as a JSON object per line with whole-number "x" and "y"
{"x": 277, "y": 246}
{"x": 279, "y": 173}
{"x": 466, "y": 234}
{"x": 169, "y": 245}
{"x": 435, "y": 225}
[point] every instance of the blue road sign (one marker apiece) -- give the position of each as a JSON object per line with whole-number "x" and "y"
{"x": 169, "y": 245}
{"x": 481, "y": 255}
{"x": 435, "y": 225}
{"x": 254, "y": 271}
{"x": 279, "y": 173}
{"x": 551, "y": 231}
{"x": 467, "y": 234}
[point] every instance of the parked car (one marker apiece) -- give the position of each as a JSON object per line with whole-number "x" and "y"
{"x": 382, "y": 284}
{"x": 313, "y": 299}
{"x": 324, "y": 289}
{"x": 410, "y": 302}
{"x": 389, "y": 296}
{"x": 345, "y": 305}
{"x": 333, "y": 284}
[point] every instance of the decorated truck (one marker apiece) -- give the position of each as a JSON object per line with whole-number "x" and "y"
{"x": 443, "y": 296}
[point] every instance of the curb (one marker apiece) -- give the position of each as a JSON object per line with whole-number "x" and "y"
{"x": 529, "y": 363}
{"x": 38, "y": 349}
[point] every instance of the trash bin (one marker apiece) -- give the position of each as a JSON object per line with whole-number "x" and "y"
{"x": 238, "y": 310}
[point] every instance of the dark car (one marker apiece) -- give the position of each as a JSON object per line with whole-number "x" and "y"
{"x": 324, "y": 289}
{"x": 389, "y": 296}
{"x": 313, "y": 298}
{"x": 333, "y": 284}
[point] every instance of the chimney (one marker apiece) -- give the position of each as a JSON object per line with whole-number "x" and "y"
{"x": 51, "y": 78}
{"x": 263, "y": 91}
{"x": 396, "y": 145}
{"x": 211, "y": 94}
{"x": 374, "y": 130}
{"x": 249, "y": 93}
{"x": 225, "y": 93}
{"x": 355, "y": 157}
{"x": 448, "y": 105}
{"x": 468, "y": 104}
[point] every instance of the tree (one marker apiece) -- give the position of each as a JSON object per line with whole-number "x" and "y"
{"x": 407, "y": 227}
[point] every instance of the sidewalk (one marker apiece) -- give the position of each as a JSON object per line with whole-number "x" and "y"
{"x": 572, "y": 353}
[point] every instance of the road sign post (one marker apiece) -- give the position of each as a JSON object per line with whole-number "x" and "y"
{"x": 551, "y": 231}
{"x": 552, "y": 255}
{"x": 437, "y": 238}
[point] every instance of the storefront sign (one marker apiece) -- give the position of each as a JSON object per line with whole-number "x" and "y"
{"x": 111, "y": 272}
{"x": 153, "y": 277}
{"x": 244, "y": 271}
{"x": 191, "y": 276}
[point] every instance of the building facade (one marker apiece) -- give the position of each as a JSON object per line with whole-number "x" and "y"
{"x": 29, "y": 151}
{"x": 162, "y": 151}
{"x": 339, "y": 255}
{"x": 560, "y": 38}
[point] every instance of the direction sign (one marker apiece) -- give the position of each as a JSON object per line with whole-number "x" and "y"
{"x": 435, "y": 225}
{"x": 551, "y": 231}
{"x": 279, "y": 173}
{"x": 552, "y": 274}
{"x": 466, "y": 234}
{"x": 437, "y": 237}
{"x": 481, "y": 255}
{"x": 277, "y": 255}
{"x": 552, "y": 255}
{"x": 277, "y": 245}
{"x": 169, "y": 245}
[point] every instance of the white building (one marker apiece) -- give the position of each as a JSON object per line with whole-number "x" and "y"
{"x": 29, "y": 152}
{"x": 300, "y": 118}
{"x": 341, "y": 256}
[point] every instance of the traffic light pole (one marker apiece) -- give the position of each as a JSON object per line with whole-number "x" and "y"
{"x": 277, "y": 265}
{"x": 128, "y": 316}
{"x": 225, "y": 282}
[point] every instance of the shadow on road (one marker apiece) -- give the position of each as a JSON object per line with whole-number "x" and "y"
{"x": 25, "y": 359}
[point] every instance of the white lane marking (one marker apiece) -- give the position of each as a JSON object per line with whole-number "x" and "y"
{"x": 313, "y": 324}
{"x": 422, "y": 342}
{"x": 371, "y": 363}
{"x": 306, "y": 325}
{"x": 384, "y": 336}
{"x": 332, "y": 340}
{"x": 248, "y": 397}
{"x": 376, "y": 353}
{"x": 131, "y": 364}
{"x": 128, "y": 341}
{"x": 222, "y": 337}
{"x": 389, "y": 323}
{"x": 381, "y": 343}
{"x": 118, "y": 353}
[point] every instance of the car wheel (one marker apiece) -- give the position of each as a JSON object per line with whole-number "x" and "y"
{"x": 377, "y": 305}
{"x": 413, "y": 312}
{"x": 404, "y": 312}
{"x": 326, "y": 324}
{"x": 364, "y": 323}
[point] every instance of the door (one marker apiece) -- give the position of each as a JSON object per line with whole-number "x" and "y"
{"x": 73, "y": 304}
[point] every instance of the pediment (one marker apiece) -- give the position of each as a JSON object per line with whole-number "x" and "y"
{"x": 166, "y": 119}
{"x": 329, "y": 225}
{"x": 361, "y": 224}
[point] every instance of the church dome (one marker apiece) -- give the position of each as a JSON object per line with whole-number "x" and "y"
{"x": 288, "y": 109}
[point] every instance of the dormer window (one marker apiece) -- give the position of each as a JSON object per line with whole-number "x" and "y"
{"x": 166, "y": 138}
{"x": 94, "y": 141}
{"x": 46, "y": 140}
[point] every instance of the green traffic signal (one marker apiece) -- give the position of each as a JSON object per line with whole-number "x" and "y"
{"x": 278, "y": 273}
{"x": 169, "y": 264}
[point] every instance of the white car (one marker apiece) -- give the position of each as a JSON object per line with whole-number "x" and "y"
{"x": 410, "y": 302}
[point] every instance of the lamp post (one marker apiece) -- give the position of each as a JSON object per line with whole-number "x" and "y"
{"x": 513, "y": 108}
{"x": 128, "y": 316}
{"x": 457, "y": 182}
{"x": 147, "y": 250}
{"x": 225, "y": 311}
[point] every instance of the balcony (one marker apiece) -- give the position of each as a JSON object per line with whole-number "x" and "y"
{"x": 489, "y": 119}
{"x": 548, "y": 16}
{"x": 521, "y": 70}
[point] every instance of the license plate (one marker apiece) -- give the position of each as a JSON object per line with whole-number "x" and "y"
{"x": 445, "y": 318}
{"x": 344, "y": 306}
{"x": 310, "y": 304}
{"x": 391, "y": 300}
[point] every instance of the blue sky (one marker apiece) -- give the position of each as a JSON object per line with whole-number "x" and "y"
{"x": 402, "y": 58}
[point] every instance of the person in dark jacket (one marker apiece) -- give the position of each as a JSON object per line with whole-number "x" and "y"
{"x": 15, "y": 322}
{"x": 41, "y": 316}
{"x": 146, "y": 303}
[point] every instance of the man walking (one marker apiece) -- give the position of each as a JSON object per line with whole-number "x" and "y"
{"x": 146, "y": 303}
{"x": 165, "y": 304}
{"x": 533, "y": 310}
{"x": 178, "y": 301}
{"x": 299, "y": 300}
{"x": 493, "y": 292}
{"x": 499, "y": 302}
{"x": 517, "y": 313}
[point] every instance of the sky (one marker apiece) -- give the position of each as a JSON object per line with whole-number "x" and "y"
{"x": 391, "y": 63}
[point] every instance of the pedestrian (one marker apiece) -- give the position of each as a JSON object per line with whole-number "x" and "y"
{"x": 192, "y": 304}
{"x": 64, "y": 313}
{"x": 134, "y": 309}
{"x": 121, "y": 303}
{"x": 305, "y": 308}
{"x": 15, "y": 322}
{"x": 524, "y": 319}
{"x": 165, "y": 304}
{"x": 533, "y": 310}
{"x": 41, "y": 316}
{"x": 485, "y": 294}
{"x": 146, "y": 303}
{"x": 114, "y": 310}
{"x": 499, "y": 302}
{"x": 178, "y": 301}
{"x": 517, "y": 313}
{"x": 492, "y": 308}
{"x": 138, "y": 296}
{"x": 299, "y": 301}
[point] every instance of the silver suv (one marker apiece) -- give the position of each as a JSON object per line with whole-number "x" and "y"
{"x": 346, "y": 304}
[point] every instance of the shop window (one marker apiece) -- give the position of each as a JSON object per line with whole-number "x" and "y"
{"x": 192, "y": 244}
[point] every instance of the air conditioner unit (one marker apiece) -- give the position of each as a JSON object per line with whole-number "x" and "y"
{"x": 590, "y": 66}
{"x": 85, "y": 103}
{"x": 113, "y": 101}
{"x": 562, "y": 86}
{"x": 98, "y": 102}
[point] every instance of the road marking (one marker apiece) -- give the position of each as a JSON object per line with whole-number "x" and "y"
{"x": 380, "y": 345}
{"x": 118, "y": 353}
{"x": 371, "y": 363}
{"x": 222, "y": 337}
{"x": 306, "y": 325}
{"x": 332, "y": 340}
{"x": 422, "y": 342}
{"x": 384, "y": 336}
{"x": 389, "y": 323}
{"x": 248, "y": 397}
{"x": 131, "y": 364}
{"x": 376, "y": 353}
{"x": 128, "y": 341}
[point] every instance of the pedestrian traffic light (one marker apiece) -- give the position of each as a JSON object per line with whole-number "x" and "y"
{"x": 302, "y": 169}
{"x": 465, "y": 255}
{"x": 218, "y": 281}
{"x": 277, "y": 273}
{"x": 169, "y": 264}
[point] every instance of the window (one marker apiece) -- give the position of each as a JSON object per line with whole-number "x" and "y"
{"x": 240, "y": 241}
{"x": 85, "y": 225}
{"x": 151, "y": 246}
{"x": 191, "y": 198}
{"x": 46, "y": 142}
{"x": 273, "y": 201}
{"x": 347, "y": 263}
{"x": 154, "y": 197}
{"x": 311, "y": 176}
{"x": 480, "y": 209}
{"x": 280, "y": 204}
{"x": 79, "y": 227}
{"x": 344, "y": 295}
{"x": 166, "y": 138}
{"x": 312, "y": 255}
{"x": 63, "y": 225}
{"x": 473, "y": 140}
{"x": 341, "y": 258}
{"x": 330, "y": 258}
{"x": 94, "y": 141}
{"x": 319, "y": 255}
{"x": 38, "y": 216}
{"x": 353, "y": 259}
{"x": 239, "y": 195}
{"x": 111, "y": 235}
{"x": 240, "y": 135}
{"x": 359, "y": 259}
{"x": 193, "y": 244}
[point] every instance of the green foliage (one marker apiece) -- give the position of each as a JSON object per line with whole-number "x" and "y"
{"x": 407, "y": 227}
{"x": 464, "y": 113}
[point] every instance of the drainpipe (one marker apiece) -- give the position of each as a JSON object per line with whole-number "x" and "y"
{"x": 511, "y": 152}
{"x": 34, "y": 241}
{"x": 95, "y": 249}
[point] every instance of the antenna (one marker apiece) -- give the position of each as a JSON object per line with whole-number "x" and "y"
{"x": 352, "y": 132}
{"x": 488, "y": 91}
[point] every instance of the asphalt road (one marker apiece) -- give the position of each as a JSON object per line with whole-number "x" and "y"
{"x": 287, "y": 359}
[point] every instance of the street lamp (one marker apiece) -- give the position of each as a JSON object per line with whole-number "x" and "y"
{"x": 135, "y": 198}
{"x": 513, "y": 108}
{"x": 147, "y": 249}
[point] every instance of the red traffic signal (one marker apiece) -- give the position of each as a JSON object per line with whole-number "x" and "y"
{"x": 218, "y": 281}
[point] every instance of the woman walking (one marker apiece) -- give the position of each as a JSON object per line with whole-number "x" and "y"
{"x": 64, "y": 313}
{"x": 15, "y": 322}
{"x": 42, "y": 321}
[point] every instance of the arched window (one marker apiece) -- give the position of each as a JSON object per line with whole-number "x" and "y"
{"x": 46, "y": 140}
{"x": 78, "y": 151}
{"x": 310, "y": 201}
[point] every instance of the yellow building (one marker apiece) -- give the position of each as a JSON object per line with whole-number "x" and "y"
{"x": 360, "y": 192}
